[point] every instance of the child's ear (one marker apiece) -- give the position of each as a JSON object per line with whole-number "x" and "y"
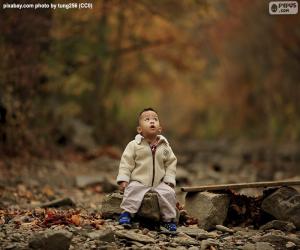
{"x": 160, "y": 129}
{"x": 139, "y": 129}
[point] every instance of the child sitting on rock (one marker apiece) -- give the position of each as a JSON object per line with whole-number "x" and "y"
{"x": 148, "y": 163}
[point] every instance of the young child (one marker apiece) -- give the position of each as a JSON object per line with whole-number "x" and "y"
{"x": 148, "y": 163}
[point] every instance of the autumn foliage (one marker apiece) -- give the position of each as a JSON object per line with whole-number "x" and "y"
{"x": 213, "y": 69}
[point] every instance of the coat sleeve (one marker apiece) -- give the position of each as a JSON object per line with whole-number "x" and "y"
{"x": 127, "y": 163}
{"x": 170, "y": 164}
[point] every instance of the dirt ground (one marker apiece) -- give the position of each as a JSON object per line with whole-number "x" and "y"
{"x": 27, "y": 186}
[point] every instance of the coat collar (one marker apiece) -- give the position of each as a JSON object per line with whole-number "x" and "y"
{"x": 138, "y": 139}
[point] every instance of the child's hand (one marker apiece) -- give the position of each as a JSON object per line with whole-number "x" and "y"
{"x": 123, "y": 185}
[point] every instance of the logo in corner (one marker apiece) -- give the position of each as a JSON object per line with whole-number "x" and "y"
{"x": 274, "y": 7}
{"x": 283, "y": 7}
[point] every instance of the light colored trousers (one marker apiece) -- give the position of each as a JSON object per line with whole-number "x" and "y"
{"x": 135, "y": 192}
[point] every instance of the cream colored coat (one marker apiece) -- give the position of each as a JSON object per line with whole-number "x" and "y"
{"x": 137, "y": 163}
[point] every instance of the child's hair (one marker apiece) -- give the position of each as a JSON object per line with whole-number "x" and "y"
{"x": 144, "y": 110}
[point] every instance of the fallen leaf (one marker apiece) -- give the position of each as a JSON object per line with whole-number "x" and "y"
{"x": 48, "y": 191}
{"x": 97, "y": 223}
{"x": 75, "y": 219}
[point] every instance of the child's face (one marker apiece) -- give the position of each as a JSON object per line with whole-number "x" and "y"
{"x": 149, "y": 124}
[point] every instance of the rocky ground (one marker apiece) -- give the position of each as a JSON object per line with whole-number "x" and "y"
{"x": 56, "y": 204}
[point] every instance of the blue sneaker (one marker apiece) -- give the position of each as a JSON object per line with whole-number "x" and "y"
{"x": 170, "y": 226}
{"x": 125, "y": 219}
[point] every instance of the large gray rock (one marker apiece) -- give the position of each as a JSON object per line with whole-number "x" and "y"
{"x": 284, "y": 204}
{"x": 149, "y": 208}
{"x": 111, "y": 205}
{"x": 210, "y": 209}
{"x": 51, "y": 240}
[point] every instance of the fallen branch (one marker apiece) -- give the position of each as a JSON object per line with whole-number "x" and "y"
{"x": 240, "y": 185}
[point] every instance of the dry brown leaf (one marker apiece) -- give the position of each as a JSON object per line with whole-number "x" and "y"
{"x": 97, "y": 223}
{"x": 237, "y": 208}
{"x": 75, "y": 219}
{"x": 48, "y": 191}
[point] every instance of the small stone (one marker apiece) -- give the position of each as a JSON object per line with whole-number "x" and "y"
{"x": 180, "y": 248}
{"x": 197, "y": 233}
{"x": 185, "y": 240}
{"x": 162, "y": 244}
{"x": 276, "y": 238}
{"x": 12, "y": 246}
{"x": 224, "y": 229}
{"x": 263, "y": 246}
{"x": 135, "y": 236}
{"x": 145, "y": 231}
{"x": 293, "y": 238}
{"x": 207, "y": 243}
{"x": 162, "y": 237}
{"x": 193, "y": 248}
{"x": 228, "y": 238}
{"x": 248, "y": 246}
{"x": 153, "y": 234}
{"x": 239, "y": 242}
{"x": 290, "y": 245}
{"x": 103, "y": 235}
{"x": 149, "y": 247}
{"x": 16, "y": 237}
{"x": 138, "y": 244}
{"x": 280, "y": 225}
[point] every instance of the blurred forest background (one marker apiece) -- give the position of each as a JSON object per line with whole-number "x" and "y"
{"x": 214, "y": 69}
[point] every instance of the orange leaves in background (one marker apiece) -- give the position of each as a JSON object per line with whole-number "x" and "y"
{"x": 225, "y": 68}
{"x": 67, "y": 217}
{"x": 40, "y": 217}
